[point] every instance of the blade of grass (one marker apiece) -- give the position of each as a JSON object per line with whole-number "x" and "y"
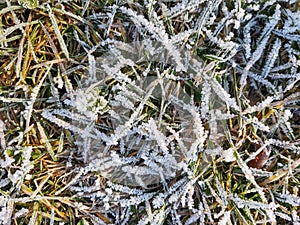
{"x": 34, "y": 214}
{"x": 68, "y": 84}
{"x": 10, "y": 30}
{"x": 33, "y": 97}
{"x": 57, "y": 32}
{"x": 45, "y": 141}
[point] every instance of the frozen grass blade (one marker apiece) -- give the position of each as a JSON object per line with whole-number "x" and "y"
{"x": 2, "y": 138}
{"x": 10, "y": 30}
{"x": 33, "y": 97}
{"x": 57, "y": 32}
{"x": 34, "y": 214}
{"x": 45, "y": 141}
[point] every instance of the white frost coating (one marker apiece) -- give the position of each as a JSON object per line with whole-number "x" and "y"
{"x": 158, "y": 117}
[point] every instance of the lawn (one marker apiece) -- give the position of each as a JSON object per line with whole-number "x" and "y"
{"x": 149, "y": 112}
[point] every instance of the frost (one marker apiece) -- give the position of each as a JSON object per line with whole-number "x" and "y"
{"x": 225, "y": 218}
{"x": 138, "y": 148}
{"x": 160, "y": 111}
{"x": 228, "y": 155}
{"x": 288, "y": 198}
{"x": 21, "y": 212}
{"x": 29, "y": 4}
